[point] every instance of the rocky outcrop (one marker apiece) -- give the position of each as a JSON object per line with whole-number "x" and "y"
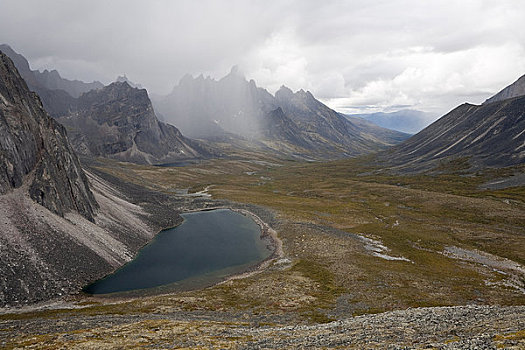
{"x": 490, "y": 135}
{"x": 287, "y": 122}
{"x": 34, "y": 150}
{"x": 513, "y": 90}
{"x": 118, "y": 122}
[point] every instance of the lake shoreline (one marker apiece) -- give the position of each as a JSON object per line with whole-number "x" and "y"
{"x": 268, "y": 234}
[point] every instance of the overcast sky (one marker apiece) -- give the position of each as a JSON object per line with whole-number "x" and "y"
{"x": 357, "y": 56}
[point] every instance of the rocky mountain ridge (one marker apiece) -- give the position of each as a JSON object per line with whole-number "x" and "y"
{"x": 487, "y": 135}
{"x": 206, "y": 108}
{"x": 118, "y": 122}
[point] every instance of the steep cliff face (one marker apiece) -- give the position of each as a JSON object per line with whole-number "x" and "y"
{"x": 34, "y": 150}
{"x": 118, "y": 122}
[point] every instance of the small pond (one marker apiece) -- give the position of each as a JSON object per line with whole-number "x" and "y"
{"x": 205, "y": 248}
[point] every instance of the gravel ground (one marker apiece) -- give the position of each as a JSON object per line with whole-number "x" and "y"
{"x": 460, "y": 327}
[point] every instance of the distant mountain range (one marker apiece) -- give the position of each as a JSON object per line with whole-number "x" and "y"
{"x": 488, "y": 135}
{"x": 118, "y": 122}
{"x": 407, "y": 120}
{"x": 56, "y": 92}
{"x": 293, "y": 124}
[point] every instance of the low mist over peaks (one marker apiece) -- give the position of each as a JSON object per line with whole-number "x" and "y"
{"x": 51, "y": 80}
{"x": 124, "y": 78}
{"x": 207, "y": 108}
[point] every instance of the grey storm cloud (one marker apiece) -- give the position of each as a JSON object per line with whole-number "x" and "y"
{"x": 354, "y": 55}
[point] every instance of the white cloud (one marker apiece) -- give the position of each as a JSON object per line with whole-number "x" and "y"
{"x": 355, "y": 55}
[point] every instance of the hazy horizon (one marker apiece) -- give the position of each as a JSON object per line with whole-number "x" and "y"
{"x": 357, "y": 57}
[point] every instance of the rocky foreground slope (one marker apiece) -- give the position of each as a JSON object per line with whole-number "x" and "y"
{"x": 462, "y": 327}
{"x": 59, "y": 230}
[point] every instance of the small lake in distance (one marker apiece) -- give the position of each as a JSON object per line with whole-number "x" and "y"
{"x": 205, "y": 248}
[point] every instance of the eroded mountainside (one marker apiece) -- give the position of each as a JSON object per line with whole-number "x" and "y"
{"x": 487, "y": 135}
{"x": 118, "y": 122}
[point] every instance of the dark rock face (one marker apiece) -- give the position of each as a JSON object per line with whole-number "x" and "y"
{"x": 513, "y": 90}
{"x": 488, "y": 135}
{"x": 118, "y": 121}
{"x": 32, "y": 143}
{"x": 297, "y": 122}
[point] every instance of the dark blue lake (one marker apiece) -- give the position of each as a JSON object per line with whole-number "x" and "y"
{"x": 205, "y": 248}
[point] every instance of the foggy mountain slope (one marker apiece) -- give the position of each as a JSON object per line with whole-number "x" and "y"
{"x": 48, "y": 79}
{"x": 118, "y": 122}
{"x": 207, "y": 108}
{"x": 488, "y": 135}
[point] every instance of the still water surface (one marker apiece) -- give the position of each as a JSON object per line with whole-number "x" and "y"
{"x": 205, "y": 248}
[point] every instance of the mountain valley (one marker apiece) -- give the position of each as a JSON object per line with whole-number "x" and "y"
{"x": 379, "y": 239}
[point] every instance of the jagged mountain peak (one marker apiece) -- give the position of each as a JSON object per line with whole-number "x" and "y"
{"x": 284, "y": 92}
{"x": 114, "y": 92}
{"x": 118, "y": 121}
{"x": 236, "y": 74}
{"x": 292, "y": 122}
